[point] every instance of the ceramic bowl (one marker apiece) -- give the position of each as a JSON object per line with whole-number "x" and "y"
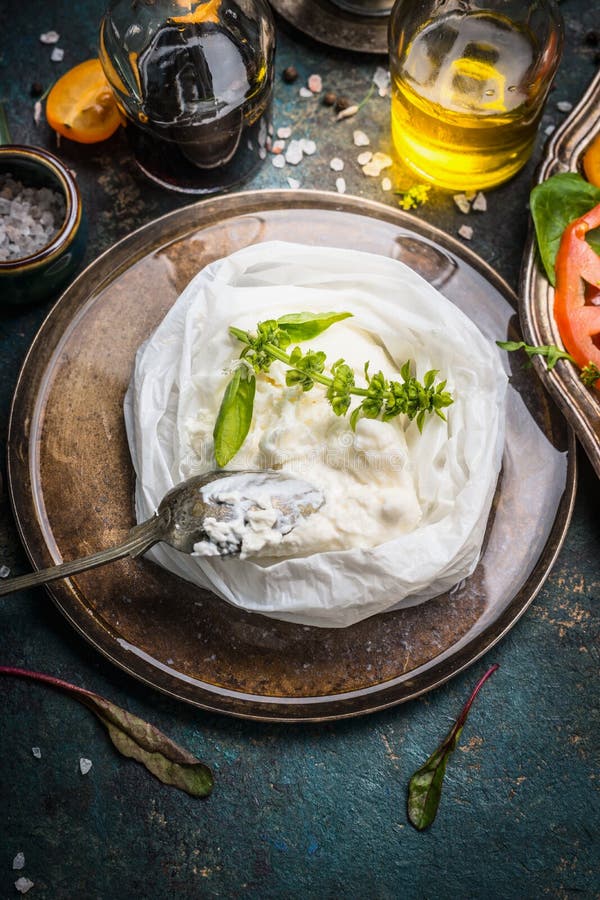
{"x": 34, "y": 278}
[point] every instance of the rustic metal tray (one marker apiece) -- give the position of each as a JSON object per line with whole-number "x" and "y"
{"x": 71, "y": 479}
{"x": 331, "y": 25}
{"x": 580, "y": 406}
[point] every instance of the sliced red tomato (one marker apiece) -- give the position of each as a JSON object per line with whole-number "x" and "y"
{"x": 577, "y": 275}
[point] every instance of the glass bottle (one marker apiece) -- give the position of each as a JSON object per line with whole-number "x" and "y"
{"x": 469, "y": 82}
{"x": 194, "y": 83}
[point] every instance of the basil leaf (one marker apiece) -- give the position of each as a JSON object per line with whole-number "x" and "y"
{"x": 554, "y": 204}
{"x": 425, "y": 786}
{"x": 136, "y": 738}
{"x": 235, "y": 415}
{"x": 306, "y": 325}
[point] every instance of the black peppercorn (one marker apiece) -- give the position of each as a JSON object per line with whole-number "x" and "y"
{"x": 341, "y": 103}
{"x": 36, "y": 89}
{"x": 329, "y": 98}
{"x": 290, "y": 74}
{"x": 592, "y": 38}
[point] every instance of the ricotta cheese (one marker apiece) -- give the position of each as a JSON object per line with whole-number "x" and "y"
{"x": 404, "y": 513}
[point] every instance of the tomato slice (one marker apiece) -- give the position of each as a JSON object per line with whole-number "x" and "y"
{"x": 591, "y": 162}
{"x": 81, "y": 105}
{"x": 577, "y": 266}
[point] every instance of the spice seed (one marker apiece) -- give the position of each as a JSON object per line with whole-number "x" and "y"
{"x": 341, "y": 103}
{"x": 290, "y": 74}
{"x": 329, "y": 99}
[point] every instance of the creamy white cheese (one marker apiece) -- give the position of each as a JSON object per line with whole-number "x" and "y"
{"x": 366, "y": 477}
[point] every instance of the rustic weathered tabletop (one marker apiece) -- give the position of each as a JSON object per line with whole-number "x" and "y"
{"x": 306, "y": 810}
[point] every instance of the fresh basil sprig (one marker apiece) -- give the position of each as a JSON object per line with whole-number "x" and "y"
{"x": 589, "y": 375}
{"x": 135, "y": 738}
{"x": 425, "y": 786}
{"x": 381, "y": 397}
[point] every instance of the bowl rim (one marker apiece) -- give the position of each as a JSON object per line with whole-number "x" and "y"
{"x": 67, "y": 231}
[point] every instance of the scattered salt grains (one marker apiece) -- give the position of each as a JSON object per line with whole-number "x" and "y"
{"x": 340, "y": 185}
{"x": 361, "y": 139}
{"x": 29, "y": 218}
{"x": 308, "y": 147}
{"x": 36, "y": 752}
{"x": 305, "y": 92}
{"x": 382, "y": 81}
{"x": 57, "y": 55}
{"x": 463, "y": 203}
{"x": 549, "y": 129}
{"x": 480, "y": 203}
{"x": 37, "y": 112}
{"x": 284, "y": 132}
{"x": 564, "y": 106}
{"x": 336, "y": 164}
{"x": 293, "y": 183}
{"x": 364, "y": 158}
{"x": 4, "y": 570}
{"x": 19, "y": 860}
{"x": 23, "y": 885}
{"x": 85, "y": 765}
{"x": 50, "y": 37}
{"x": 377, "y": 164}
{"x": 294, "y": 153}
{"x": 386, "y": 184}
{"x": 315, "y": 84}
{"x": 278, "y": 161}
{"x": 466, "y": 232}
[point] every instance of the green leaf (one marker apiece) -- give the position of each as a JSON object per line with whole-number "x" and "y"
{"x": 425, "y": 786}
{"x": 306, "y": 325}
{"x": 235, "y": 415}
{"x": 554, "y": 204}
{"x": 136, "y": 738}
{"x": 550, "y": 351}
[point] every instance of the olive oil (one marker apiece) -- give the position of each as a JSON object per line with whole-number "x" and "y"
{"x": 464, "y": 109}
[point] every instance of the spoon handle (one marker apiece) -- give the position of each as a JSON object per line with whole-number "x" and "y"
{"x": 139, "y": 539}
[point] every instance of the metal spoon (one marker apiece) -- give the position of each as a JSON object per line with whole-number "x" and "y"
{"x": 182, "y": 512}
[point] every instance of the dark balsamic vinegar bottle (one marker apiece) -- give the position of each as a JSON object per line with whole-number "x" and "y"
{"x": 193, "y": 81}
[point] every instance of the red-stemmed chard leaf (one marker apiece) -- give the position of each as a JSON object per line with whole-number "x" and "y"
{"x": 136, "y": 738}
{"x": 425, "y": 786}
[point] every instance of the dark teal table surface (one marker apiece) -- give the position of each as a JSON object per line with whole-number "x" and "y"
{"x": 315, "y": 811}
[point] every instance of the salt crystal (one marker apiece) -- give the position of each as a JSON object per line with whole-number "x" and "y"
{"x": 308, "y": 147}
{"x": 372, "y": 170}
{"x": 293, "y": 183}
{"x": 37, "y": 112}
{"x": 346, "y": 113}
{"x": 386, "y": 184}
{"x": 284, "y": 133}
{"x": 262, "y": 153}
{"x": 382, "y": 80}
{"x": 466, "y": 232}
{"x": 305, "y": 92}
{"x": 336, "y": 164}
{"x": 294, "y": 153}
{"x": 270, "y": 129}
{"x": 549, "y": 129}
{"x": 4, "y": 571}
{"x": 361, "y": 139}
{"x": 85, "y": 765}
{"x": 277, "y": 146}
{"x": 462, "y": 202}
{"x": 36, "y": 752}
{"x": 364, "y": 158}
{"x": 340, "y": 184}
{"x": 23, "y": 885}
{"x": 564, "y": 106}
{"x": 278, "y": 161}
{"x": 480, "y": 203}
{"x": 57, "y": 55}
{"x": 376, "y": 164}
{"x": 19, "y": 861}
{"x": 315, "y": 84}
{"x": 382, "y": 159}
{"x": 50, "y": 37}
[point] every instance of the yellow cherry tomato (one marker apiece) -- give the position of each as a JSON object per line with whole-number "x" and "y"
{"x": 591, "y": 162}
{"x": 81, "y": 105}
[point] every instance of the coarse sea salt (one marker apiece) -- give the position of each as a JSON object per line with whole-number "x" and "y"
{"x": 340, "y": 185}
{"x": 29, "y": 218}
{"x": 466, "y": 232}
{"x": 85, "y": 765}
{"x": 36, "y": 752}
{"x": 23, "y": 885}
{"x": 336, "y": 164}
{"x": 4, "y": 571}
{"x": 19, "y": 860}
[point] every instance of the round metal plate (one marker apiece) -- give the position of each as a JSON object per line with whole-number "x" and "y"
{"x": 330, "y": 24}
{"x": 71, "y": 479}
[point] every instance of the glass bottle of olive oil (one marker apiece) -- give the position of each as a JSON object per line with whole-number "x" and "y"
{"x": 469, "y": 81}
